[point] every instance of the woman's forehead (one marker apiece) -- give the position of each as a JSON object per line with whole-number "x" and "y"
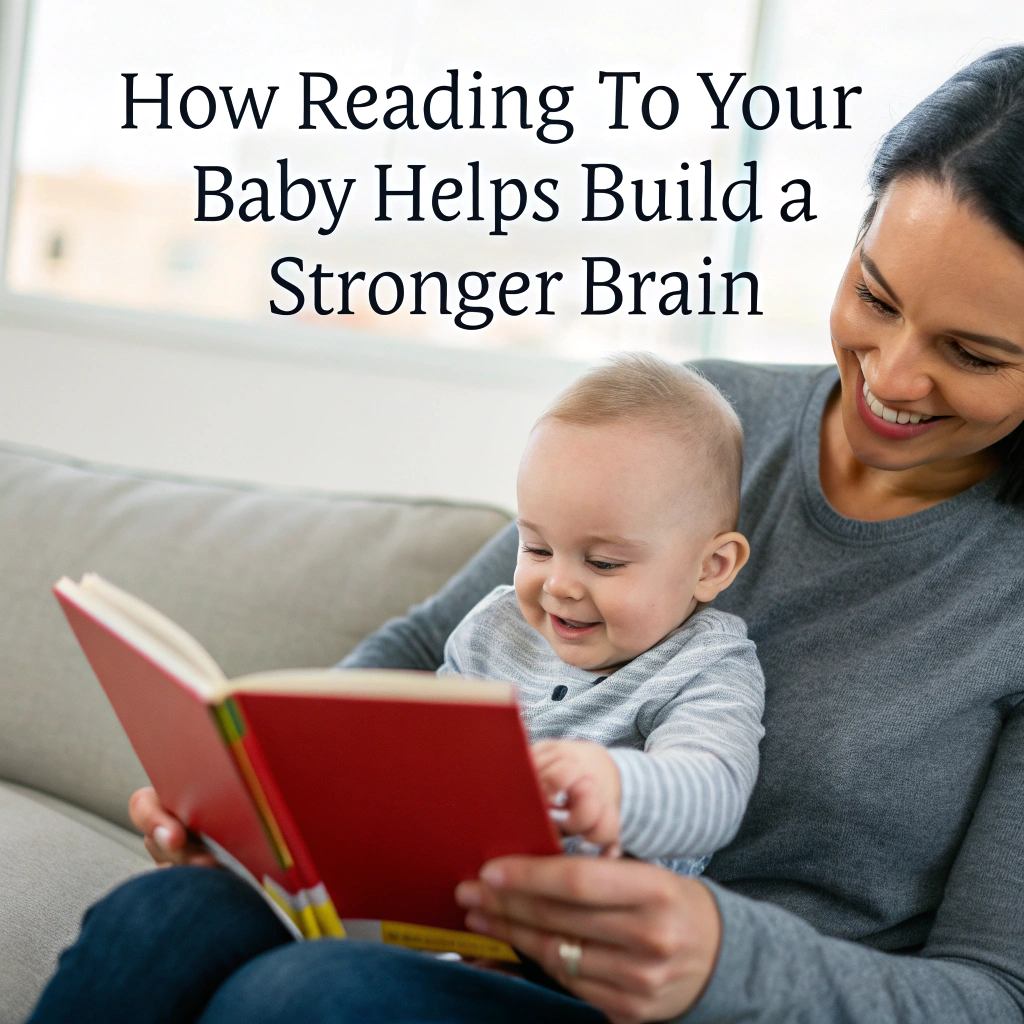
{"x": 940, "y": 256}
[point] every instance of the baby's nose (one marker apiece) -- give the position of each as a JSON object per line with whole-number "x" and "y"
{"x": 564, "y": 585}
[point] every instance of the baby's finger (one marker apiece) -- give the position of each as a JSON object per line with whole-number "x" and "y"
{"x": 605, "y": 833}
{"x": 542, "y": 748}
{"x": 544, "y": 758}
{"x": 557, "y": 779}
{"x": 585, "y": 807}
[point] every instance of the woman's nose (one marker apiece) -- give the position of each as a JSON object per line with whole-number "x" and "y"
{"x": 897, "y": 369}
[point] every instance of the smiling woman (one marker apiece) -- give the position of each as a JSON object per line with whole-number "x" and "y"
{"x": 937, "y": 336}
{"x": 928, "y": 321}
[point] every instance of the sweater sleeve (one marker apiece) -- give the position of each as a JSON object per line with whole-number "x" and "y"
{"x": 684, "y": 794}
{"x": 417, "y": 640}
{"x": 774, "y": 967}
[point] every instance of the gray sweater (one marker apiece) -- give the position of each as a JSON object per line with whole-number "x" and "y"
{"x": 878, "y": 874}
{"x": 682, "y": 720}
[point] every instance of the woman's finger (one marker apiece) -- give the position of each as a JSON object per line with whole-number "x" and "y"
{"x": 164, "y": 834}
{"x": 190, "y": 853}
{"x": 658, "y": 975}
{"x": 626, "y": 988}
{"x": 610, "y": 965}
{"x": 159, "y": 856}
{"x": 626, "y": 928}
{"x": 148, "y": 814}
{"x": 141, "y": 806}
{"x": 619, "y": 1006}
{"x": 166, "y": 838}
{"x": 589, "y": 882}
{"x": 663, "y": 913}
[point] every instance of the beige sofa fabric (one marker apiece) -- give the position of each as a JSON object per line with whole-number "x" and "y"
{"x": 52, "y": 868}
{"x": 128, "y": 838}
{"x": 264, "y": 580}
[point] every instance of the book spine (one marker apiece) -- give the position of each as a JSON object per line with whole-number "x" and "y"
{"x": 308, "y": 904}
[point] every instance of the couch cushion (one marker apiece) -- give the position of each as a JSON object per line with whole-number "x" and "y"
{"x": 52, "y": 869}
{"x": 130, "y": 839}
{"x": 264, "y": 579}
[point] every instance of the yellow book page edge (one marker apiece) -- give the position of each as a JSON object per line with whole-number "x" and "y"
{"x": 444, "y": 940}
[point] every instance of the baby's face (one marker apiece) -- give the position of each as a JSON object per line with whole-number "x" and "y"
{"x": 612, "y": 539}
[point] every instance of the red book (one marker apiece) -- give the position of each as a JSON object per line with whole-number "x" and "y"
{"x": 355, "y": 801}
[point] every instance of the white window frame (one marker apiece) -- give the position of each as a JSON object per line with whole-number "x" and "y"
{"x": 347, "y": 349}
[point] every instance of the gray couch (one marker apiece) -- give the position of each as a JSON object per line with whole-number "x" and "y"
{"x": 264, "y": 579}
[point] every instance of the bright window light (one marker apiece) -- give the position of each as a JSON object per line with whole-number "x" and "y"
{"x": 106, "y": 216}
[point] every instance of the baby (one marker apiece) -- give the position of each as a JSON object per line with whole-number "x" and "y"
{"x": 642, "y": 702}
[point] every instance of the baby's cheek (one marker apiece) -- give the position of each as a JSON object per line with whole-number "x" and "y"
{"x": 528, "y": 589}
{"x": 633, "y": 622}
{"x": 623, "y": 618}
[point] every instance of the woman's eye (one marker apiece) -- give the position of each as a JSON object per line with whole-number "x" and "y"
{"x": 605, "y": 566}
{"x": 873, "y": 300}
{"x": 959, "y": 355}
{"x": 967, "y": 359}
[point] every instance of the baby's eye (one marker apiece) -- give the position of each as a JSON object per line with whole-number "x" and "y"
{"x": 539, "y": 552}
{"x": 605, "y": 566}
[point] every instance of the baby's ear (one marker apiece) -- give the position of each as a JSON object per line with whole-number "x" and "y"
{"x": 724, "y": 556}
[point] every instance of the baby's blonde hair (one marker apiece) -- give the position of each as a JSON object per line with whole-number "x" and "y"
{"x": 640, "y": 387}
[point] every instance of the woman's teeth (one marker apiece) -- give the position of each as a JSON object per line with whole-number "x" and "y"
{"x": 891, "y": 415}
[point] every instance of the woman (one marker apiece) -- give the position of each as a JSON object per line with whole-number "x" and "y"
{"x": 879, "y": 872}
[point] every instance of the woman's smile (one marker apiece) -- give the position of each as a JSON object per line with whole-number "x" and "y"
{"x": 892, "y": 424}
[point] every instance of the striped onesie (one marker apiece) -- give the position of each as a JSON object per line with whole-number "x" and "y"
{"x": 682, "y": 721}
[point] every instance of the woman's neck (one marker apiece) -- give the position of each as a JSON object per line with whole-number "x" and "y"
{"x": 863, "y": 492}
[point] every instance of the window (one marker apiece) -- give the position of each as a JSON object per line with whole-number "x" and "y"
{"x": 105, "y": 216}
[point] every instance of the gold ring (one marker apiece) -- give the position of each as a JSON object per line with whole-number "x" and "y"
{"x": 570, "y": 952}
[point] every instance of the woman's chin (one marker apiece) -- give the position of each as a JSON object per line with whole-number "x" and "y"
{"x": 875, "y": 451}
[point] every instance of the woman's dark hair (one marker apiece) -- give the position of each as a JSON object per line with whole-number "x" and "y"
{"x": 969, "y": 135}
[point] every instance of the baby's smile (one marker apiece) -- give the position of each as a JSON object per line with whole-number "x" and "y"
{"x": 571, "y": 629}
{"x": 614, "y": 539}
{"x": 628, "y": 493}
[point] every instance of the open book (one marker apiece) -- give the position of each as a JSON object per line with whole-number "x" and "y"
{"x": 354, "y": 801}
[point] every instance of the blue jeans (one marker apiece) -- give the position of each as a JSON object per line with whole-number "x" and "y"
{"x": 197, "y": 944}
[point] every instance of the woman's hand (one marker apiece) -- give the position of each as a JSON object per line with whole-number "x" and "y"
{"x": 649, "y": 938}
{"x": 167, "y": 839}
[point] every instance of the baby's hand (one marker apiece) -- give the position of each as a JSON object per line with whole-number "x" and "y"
{"x": 582, "y": 783}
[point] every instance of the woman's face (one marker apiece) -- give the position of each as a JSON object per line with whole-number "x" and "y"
{"x": 930, "y": 317}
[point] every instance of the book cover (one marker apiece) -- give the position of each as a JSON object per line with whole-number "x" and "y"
{"x": 356, "y": 801}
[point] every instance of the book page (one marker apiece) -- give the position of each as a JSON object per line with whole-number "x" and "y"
{"x": 149, "y": 632}
{"x": 159, "y": 625}
{"x": 382, "y": 684}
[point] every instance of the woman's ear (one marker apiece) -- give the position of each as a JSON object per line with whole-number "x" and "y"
{"x": 724, "y": 556}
